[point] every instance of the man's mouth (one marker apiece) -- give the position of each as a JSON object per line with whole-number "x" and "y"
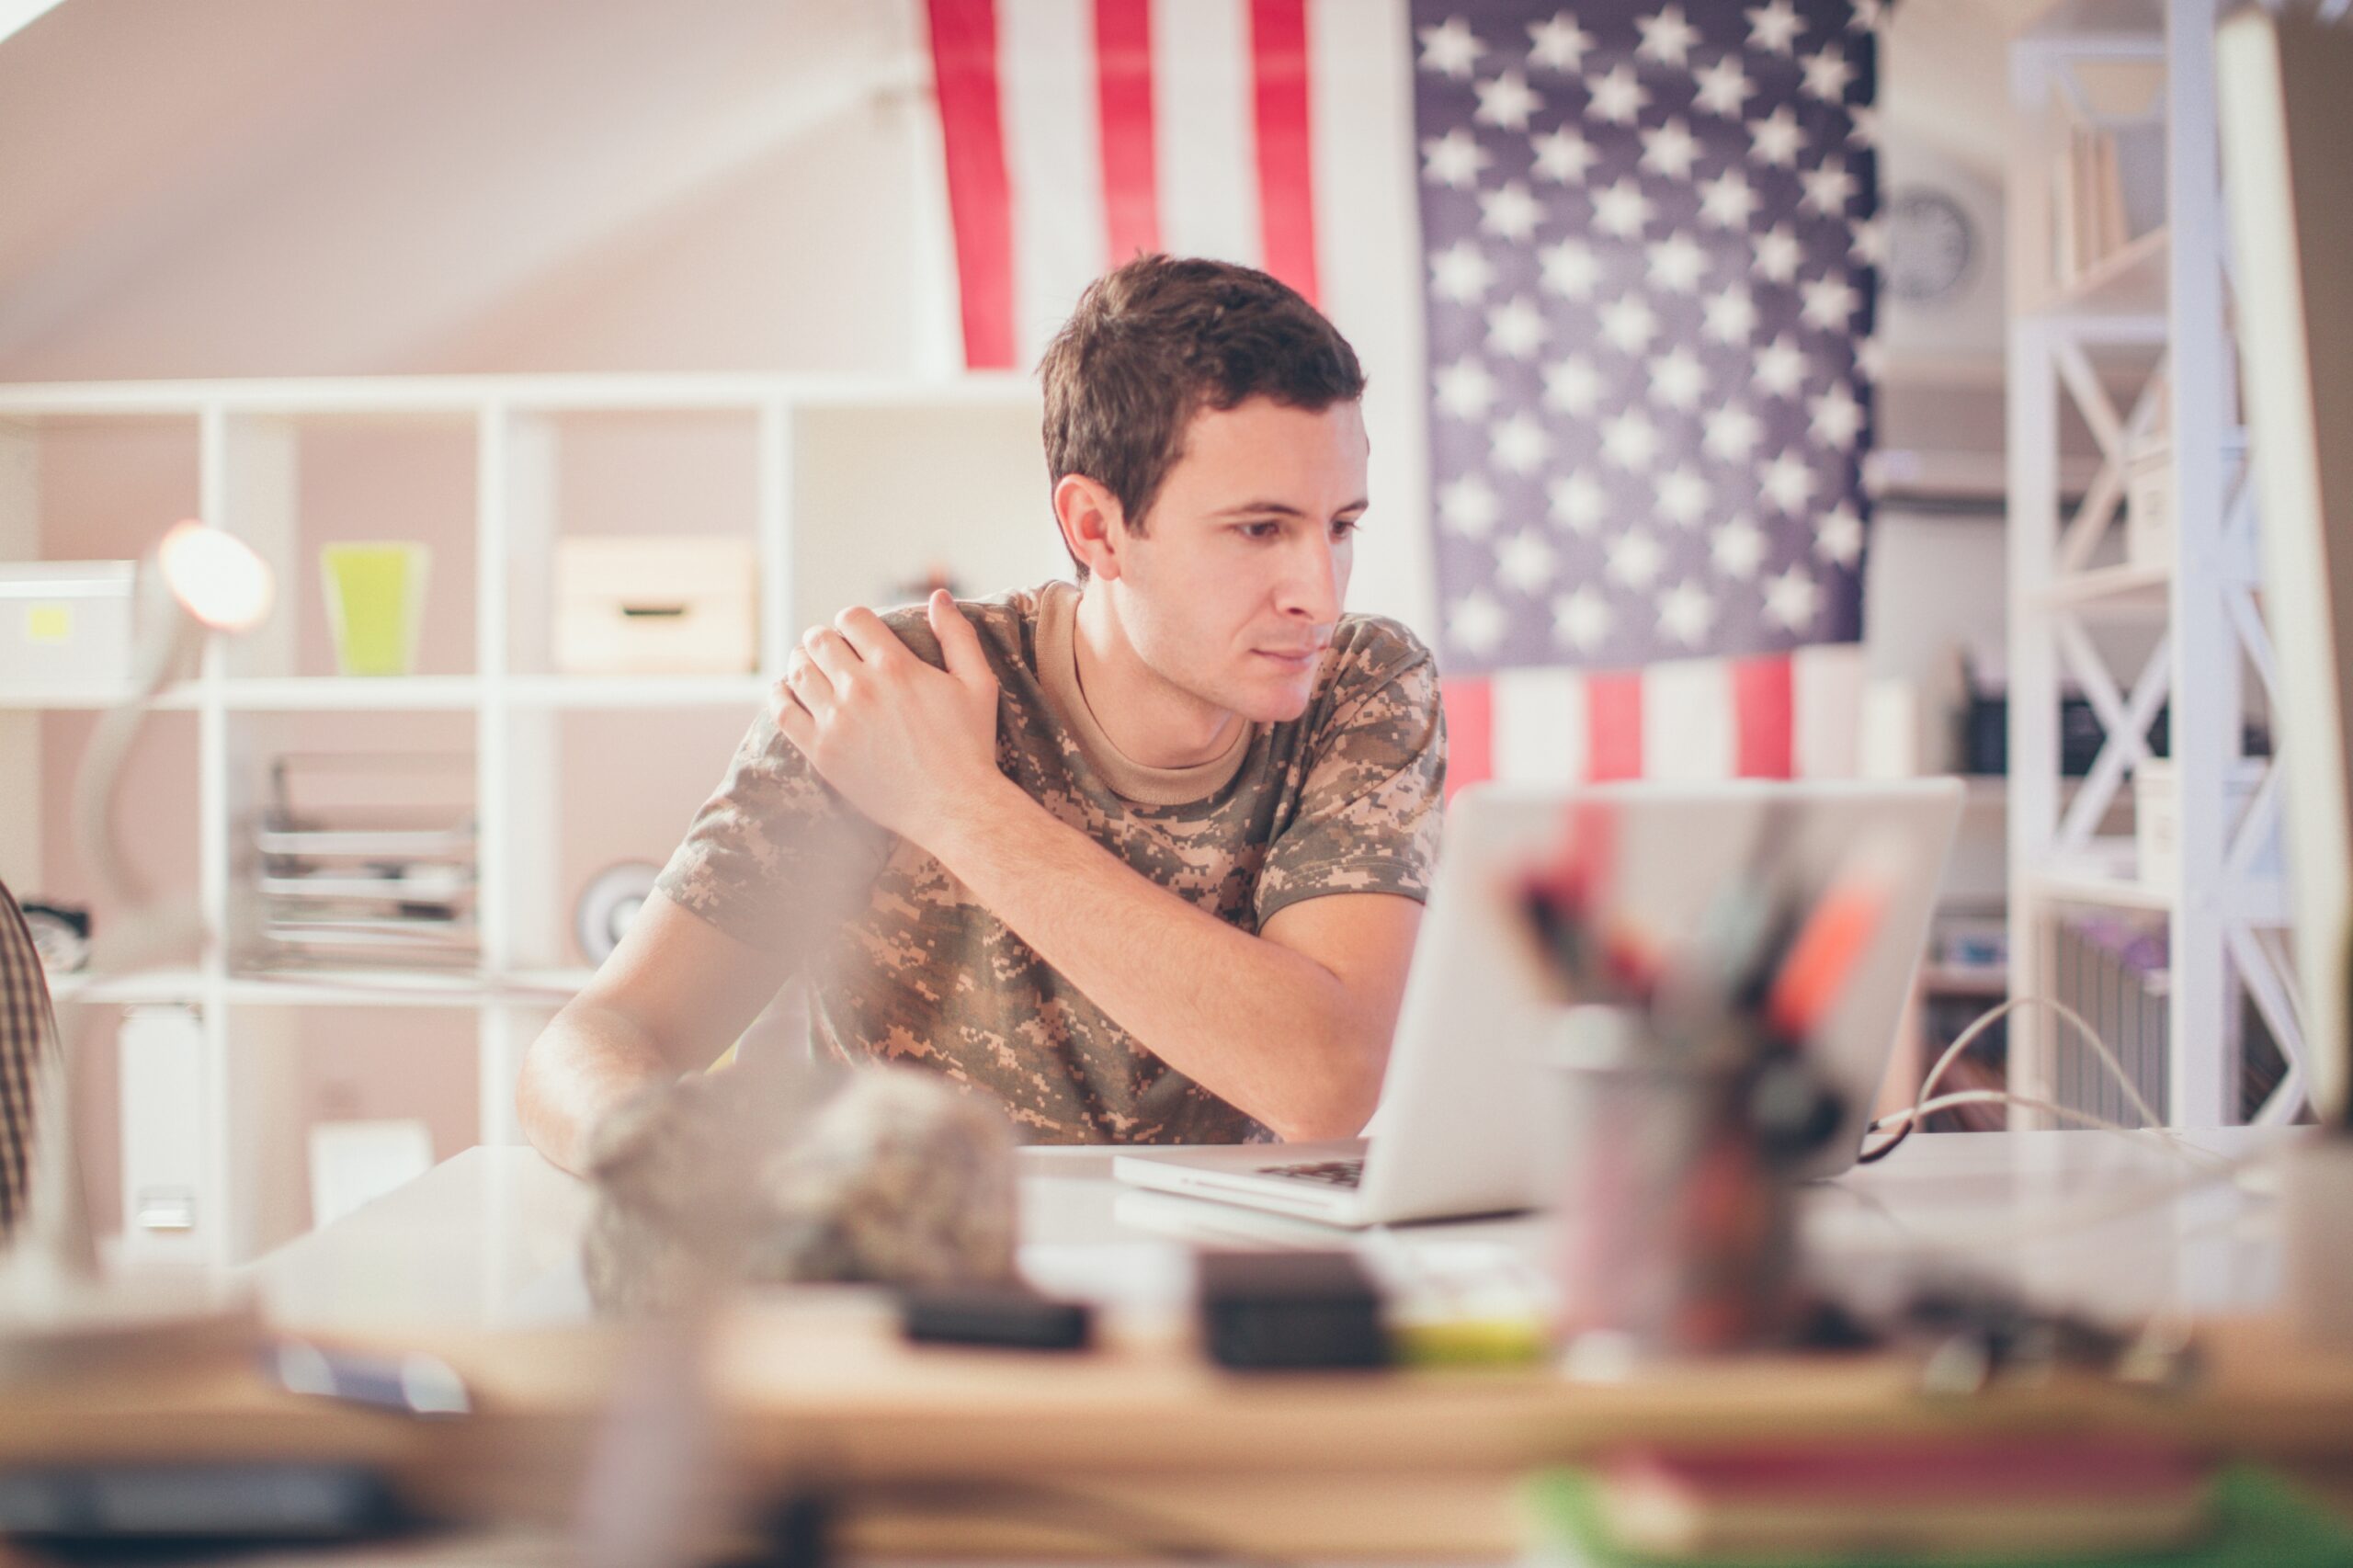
{"x": 1293, "y": 658}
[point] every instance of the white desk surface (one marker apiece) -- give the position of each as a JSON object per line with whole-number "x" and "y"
{"x": 490, "y": 1237}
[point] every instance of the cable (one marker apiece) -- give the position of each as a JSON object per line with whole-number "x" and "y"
{"x": 1908, "y": 1120}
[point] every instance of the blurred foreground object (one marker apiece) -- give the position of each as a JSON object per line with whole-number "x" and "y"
{"x": 28, "y": 1055}
{"x": 882, "y": 1176}
{"x": 2288, "y": 166}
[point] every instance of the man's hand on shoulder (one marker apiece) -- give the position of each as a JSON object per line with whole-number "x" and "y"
{"x": 902, "y": 741}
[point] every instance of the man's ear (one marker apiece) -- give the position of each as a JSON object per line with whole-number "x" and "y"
{"x": 1094, "y": 523}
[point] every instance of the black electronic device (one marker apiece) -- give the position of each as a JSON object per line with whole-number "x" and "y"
{"x": 1269, "y": 1310}
{"x": 68, "y": 1507}
{"x": 1010, "y": 1317}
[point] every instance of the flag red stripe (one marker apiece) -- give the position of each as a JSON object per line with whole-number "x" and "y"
{"x": 1286, "y": 175}
{"x": 1470, "y": 708}
{"x": 1123, "y": 102}
{"x": 1764, "y": 705}
{"x": 1613, "y": 722}
{"x": 980, "y": 203}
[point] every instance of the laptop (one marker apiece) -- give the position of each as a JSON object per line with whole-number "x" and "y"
{"x": 1462, "y": 1121}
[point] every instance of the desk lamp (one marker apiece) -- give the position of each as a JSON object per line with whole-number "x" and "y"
{"x": 2288, "y": 178}
{"x": 54, "y": 1311}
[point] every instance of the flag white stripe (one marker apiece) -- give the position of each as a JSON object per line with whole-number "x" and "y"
{"x": 1539, "y": 719}
{"x": 1687, "y": 721}
{"x": 1203, "y": 114}
{"x": 1827, "y": 697}
{"x": 1053, "y": 157}
{"x": 1368, "y": 268}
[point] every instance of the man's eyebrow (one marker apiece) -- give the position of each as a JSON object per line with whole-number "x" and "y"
{"x": 1282, "y": 509}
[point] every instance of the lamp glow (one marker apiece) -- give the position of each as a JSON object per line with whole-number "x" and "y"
{"x": 215, "y": 577}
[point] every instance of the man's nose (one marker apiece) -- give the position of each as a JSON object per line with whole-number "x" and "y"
{"x": 1313, "y": 583}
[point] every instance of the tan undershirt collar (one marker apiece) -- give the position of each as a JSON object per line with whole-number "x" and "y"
{"x": 1058, "y": 673}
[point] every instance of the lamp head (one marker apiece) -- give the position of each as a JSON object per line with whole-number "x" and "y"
{"x": 215, "y": 577}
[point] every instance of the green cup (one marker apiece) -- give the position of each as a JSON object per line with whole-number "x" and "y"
{"x": 375, "y": 599}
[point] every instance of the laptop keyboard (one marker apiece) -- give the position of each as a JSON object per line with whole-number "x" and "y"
{"x": 1331, "y": 1172}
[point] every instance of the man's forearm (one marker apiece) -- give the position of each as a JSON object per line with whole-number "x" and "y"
{"x": 588, "y": 1060}
{"x": 1270, "y": 1030}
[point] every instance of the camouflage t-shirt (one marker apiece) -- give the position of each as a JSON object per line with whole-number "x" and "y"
{"x": 905, "y": 967}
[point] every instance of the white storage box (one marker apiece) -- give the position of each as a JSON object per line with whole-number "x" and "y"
{"x": 2156, "y": 818}
{"x": 658, "y": 604}
{"x": 67, "y": 623}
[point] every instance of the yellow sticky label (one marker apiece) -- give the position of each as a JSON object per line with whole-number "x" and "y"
{"x": 48, "y": 623}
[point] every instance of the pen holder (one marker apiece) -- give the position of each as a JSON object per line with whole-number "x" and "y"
{"x": 1675, "y": 1228}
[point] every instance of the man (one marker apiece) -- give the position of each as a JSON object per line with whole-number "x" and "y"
{"x": 1141, "y": 858}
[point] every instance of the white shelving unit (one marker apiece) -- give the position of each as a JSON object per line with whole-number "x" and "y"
{"x": 2137, "y": 346}
{"x": 858, "y": 483}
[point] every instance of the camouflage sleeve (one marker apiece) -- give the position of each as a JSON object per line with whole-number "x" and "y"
{"x": 772, "y": 858}
{"x": 1369, "y": 813}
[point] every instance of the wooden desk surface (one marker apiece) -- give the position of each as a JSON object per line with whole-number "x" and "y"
{"x": 471, "y": 1262}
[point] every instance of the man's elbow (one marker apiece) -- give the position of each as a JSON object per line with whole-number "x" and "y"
{"x": 1340, "y": 1104}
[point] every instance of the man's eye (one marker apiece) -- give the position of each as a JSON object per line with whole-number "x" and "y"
{"x": 1261, "y": 530}
{"x": 1346, "y": 527}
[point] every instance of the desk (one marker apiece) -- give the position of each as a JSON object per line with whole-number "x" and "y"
{"x": 472, "y": 1259}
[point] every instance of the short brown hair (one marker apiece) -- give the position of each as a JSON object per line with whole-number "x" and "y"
{"x": 1153, "y": 343}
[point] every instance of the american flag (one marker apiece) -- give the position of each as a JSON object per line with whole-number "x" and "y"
{"x": 1647, "y": 242}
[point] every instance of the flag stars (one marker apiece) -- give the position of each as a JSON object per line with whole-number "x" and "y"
{"x": 1478, "y": 623}
{"x": 1564, "y": 157}
{"x": 1840, "y": 538}
{"x": 1827, "y": 73}
{"x": 1508, "y": 101}
{"x": 1829, "y": 303}
{"x": 1569, "y": 269}
{"x": 1779, "y": 369}
{"x": 1677, "y": 379}
{"x": 1685, "y": 612}
{"x": 1618, "y": 97}
{"x": 1731, "y": 433}
{"x": 1622, "y": 212}
{"x": 1774, "y": 26}
{"x": 1628, "y": 324}
{"x": 1827, "y": 187}
{"x": 1510, "y": 213}
{"x": 1454, "y": 160}
{"x": 1778, "y": 254}
{"x": 1787, "y": 483}
{"x": 1558, "y": 44}
{"x": 1460, "y": 273}
{"x": 1577, "y": 503}
{"x": 1793, "y": 599}
{"x": 1670, "y": 150}
{"x": 1668, "y": 38}
{"x": 1739, "y": 550}
{"x": 1468, "y": 507}
{"x": 1837, "y": 418}
{"x": 1631, "y": 440}
{"x": 1520, "y": 445}
{"x": 1776, "y": 140}
{"x": 1573, "y": 386}
{"x": 1451, "y": 49}
{"x": 1581, "y": 620}
{"x": 1724, "y": 88}
{"x": 1677, "y": 264}
{"x": 1528, "y": 561}
{"x": 1516, "y": 328}
{"x": 1728, "y": 200}
{"x": 1732, "y": 315}
{"x": 1466, "y": 389}
{"x": 1683, "y": 497}
{"x": 1636, "y": 559}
